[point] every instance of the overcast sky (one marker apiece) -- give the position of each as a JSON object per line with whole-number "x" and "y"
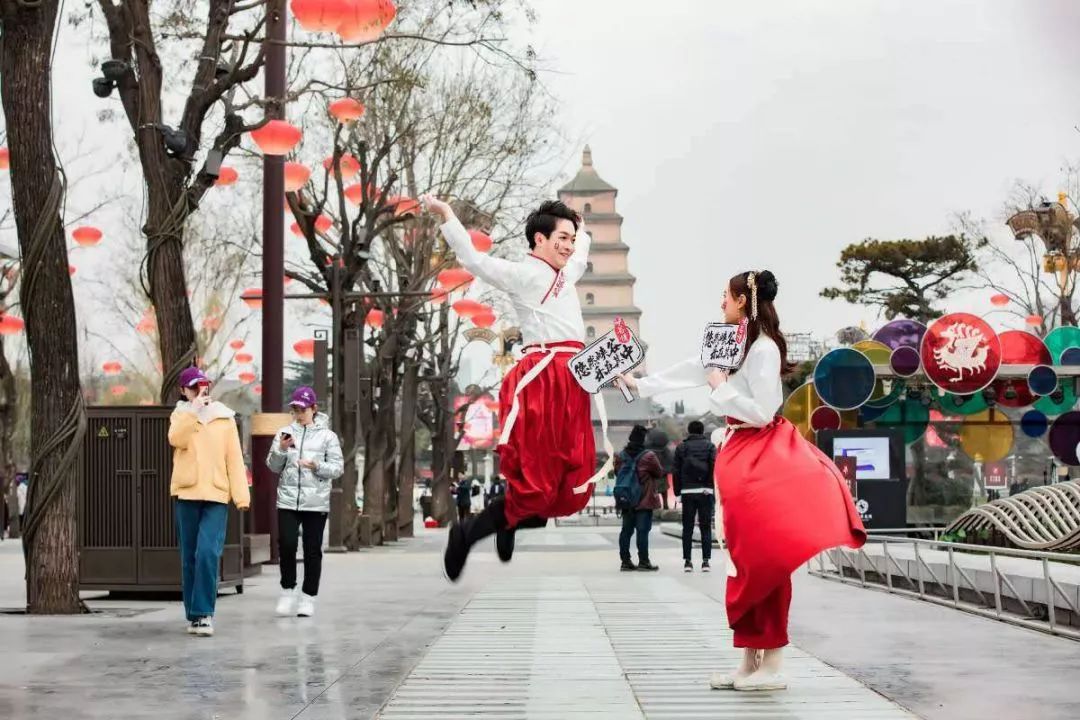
{"x": 748, "y": 135}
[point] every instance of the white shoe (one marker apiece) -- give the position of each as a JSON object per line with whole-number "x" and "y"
{"x": 760, "y": 681}
{"x": 191, "y": 627}
{"x": 722, "y": 681}
{"x": 306, "y": 607}
{"x": 204, "y": 627}
{"x": 286, "y": 604}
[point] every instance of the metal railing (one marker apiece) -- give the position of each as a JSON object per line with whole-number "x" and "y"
{"x": 857, "y": 567}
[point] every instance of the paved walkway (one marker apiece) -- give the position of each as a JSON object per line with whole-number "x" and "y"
{"x": 558, "y": 633}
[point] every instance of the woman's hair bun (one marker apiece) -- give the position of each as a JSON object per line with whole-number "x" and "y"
{"x": 766, "y": 285}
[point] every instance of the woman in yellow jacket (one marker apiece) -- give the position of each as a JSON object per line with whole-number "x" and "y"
{"x": 208, "y": 472}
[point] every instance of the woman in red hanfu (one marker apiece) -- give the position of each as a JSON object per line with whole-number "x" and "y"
{"x": 783, "y": 500}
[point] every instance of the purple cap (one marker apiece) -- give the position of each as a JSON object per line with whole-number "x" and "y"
{"x": 303, "y": 397}
{"x": 192, "y": 376}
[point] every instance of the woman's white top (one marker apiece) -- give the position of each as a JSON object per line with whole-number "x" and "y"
{"x": 753, "y": 395}
{"x": 545, "y": 299}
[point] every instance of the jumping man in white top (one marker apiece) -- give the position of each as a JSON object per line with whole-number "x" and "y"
{"x": 546, "y": 449}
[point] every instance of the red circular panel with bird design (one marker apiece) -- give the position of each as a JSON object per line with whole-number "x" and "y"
{"x": 961, "y": 354}
{"x": 1019, "y": 347}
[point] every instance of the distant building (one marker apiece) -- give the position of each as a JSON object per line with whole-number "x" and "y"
{"x": 607, "y": 288}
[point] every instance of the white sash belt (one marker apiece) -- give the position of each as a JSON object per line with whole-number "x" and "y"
{"x": 515, "y": 408}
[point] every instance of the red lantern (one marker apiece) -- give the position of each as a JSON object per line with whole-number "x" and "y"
{"x": 257, "y": 389}
{"x": 226, "y": 176}
{"x": 354, "y": 193}
{"x": 999, "y": 300}
{"x": 484, "y": 318}
{"x": 346, "y": 109}
{"x": 305, "y": 348}
{"x": 244, "y": 358}
{"x": 366, "y": 20}
{"x": 86, "y": 236}
{"x": 319, "y": 15}
{"x": 246, "y": 377}
{"x": 296, "y": 176}
{"x": 375, "y": 318}
{"x": 252, "y": 297}
{"x": 5, "y": 158}
{"x": 71, "y": 269}
{"x": 277, "y": 137}
{"x": 348, "y": 165}
{"x": 481, "y": 241}
{"x": 323, "y": 223}
{"x": 403, "y": 205}
{"x": 1034, "y": 320}
{"x": 118, "y": 390}
{"x": 112, "y": 368}
{"x": 211, "y": 323}
{"x": 295, "y": 230}
{"x": 455, "y": 278}
{"x": 237, "y": 344}
{"x": 11, "y": 325}
{"x": 438, "y": 296}
{"x": 467, "y": 308}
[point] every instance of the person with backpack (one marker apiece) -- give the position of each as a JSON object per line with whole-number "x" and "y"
{"x": 637, "y": 473}
{"x": 692, "y": 476}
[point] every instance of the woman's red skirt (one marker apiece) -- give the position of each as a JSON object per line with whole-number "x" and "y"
{"x": 784, "y": 502}
{"x": 551, "y": 449}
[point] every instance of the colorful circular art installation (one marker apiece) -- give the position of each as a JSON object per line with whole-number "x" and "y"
{"x": 1019, "y": 347}
{"x": 825, "y": 418}
{"x": 905, "y": 360}
{"x": 886, "y": 390}
{"x": 800, "y": 407}
{"x": 901, "y": 333}
{"x": 1064, "y": 437}
{"x": 844, "y": 378}
{"x": 962, "y": 404}
{"x": 1033, "y": 423}
{"x": 1064, "y": 346}
{"x": 960, "y": 353}
{"x": 1042, "y": 380}
{"x": 909, "y": 415}
{"x": 987, "y": 436}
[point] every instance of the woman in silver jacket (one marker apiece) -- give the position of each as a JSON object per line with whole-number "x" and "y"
{"x": 307, "y": 456}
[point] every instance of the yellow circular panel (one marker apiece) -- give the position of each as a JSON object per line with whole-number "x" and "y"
{"x": 984, "y": 441}
{"x": 799, "y": 406}
{"x": 879, "y": 354}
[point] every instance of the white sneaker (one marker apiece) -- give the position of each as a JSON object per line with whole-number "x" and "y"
{"x": 306, "y": 607}
{"x": 760, "y": 681}
{"x": 286, "y": 604}
{"x": 204, "y": 627}
{"x": 722, "y": 681}
{"x": 191, "y": 627}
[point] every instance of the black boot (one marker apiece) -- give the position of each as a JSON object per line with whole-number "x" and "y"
{"x": 645, "y": 565}
{"x": 628, "y": 565}
{"x": 463, "y": 536}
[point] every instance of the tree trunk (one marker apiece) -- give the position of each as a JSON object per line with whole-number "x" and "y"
{"x": 167, "y": 214}
{"x": 58, "y": 419}
{"x": 410, "y": 388}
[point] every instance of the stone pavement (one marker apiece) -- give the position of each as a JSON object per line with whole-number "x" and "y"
{"x": 558, "y": 633}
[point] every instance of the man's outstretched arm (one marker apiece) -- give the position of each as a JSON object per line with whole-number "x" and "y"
{"x": 503, "y": 274}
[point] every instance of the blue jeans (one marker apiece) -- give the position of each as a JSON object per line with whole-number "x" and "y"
{"x": 202, "y": 538}
{"x": 639, "y": 521}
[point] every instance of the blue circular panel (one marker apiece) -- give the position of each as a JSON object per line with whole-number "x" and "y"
{"x": 1034, "y": 423}
{"x": 1042, "y": 380}
{"x": 1070, "y": 356}
{"x": 844, "y": 378}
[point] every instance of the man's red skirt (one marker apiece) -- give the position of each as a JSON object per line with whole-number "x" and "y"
{"x": 550, "y": 450}
{"x": 784, "y": 502}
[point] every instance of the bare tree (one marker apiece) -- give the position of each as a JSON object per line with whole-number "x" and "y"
{"x": 58, "y": 419}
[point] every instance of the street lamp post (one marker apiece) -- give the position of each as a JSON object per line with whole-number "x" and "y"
{"x": 1055, "y": 226}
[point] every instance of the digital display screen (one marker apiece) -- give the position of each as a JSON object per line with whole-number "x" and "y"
{"x": 871, "y": 456}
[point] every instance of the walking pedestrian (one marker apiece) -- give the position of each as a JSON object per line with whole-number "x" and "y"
{"x": 463, "y": 495}
{"x": 208, "y": 473}
{"x": 647, "y": 471}
{"x": 306, "y": 454}
{"x": 692, "y": 475}
{"x": 657, "y": 441}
